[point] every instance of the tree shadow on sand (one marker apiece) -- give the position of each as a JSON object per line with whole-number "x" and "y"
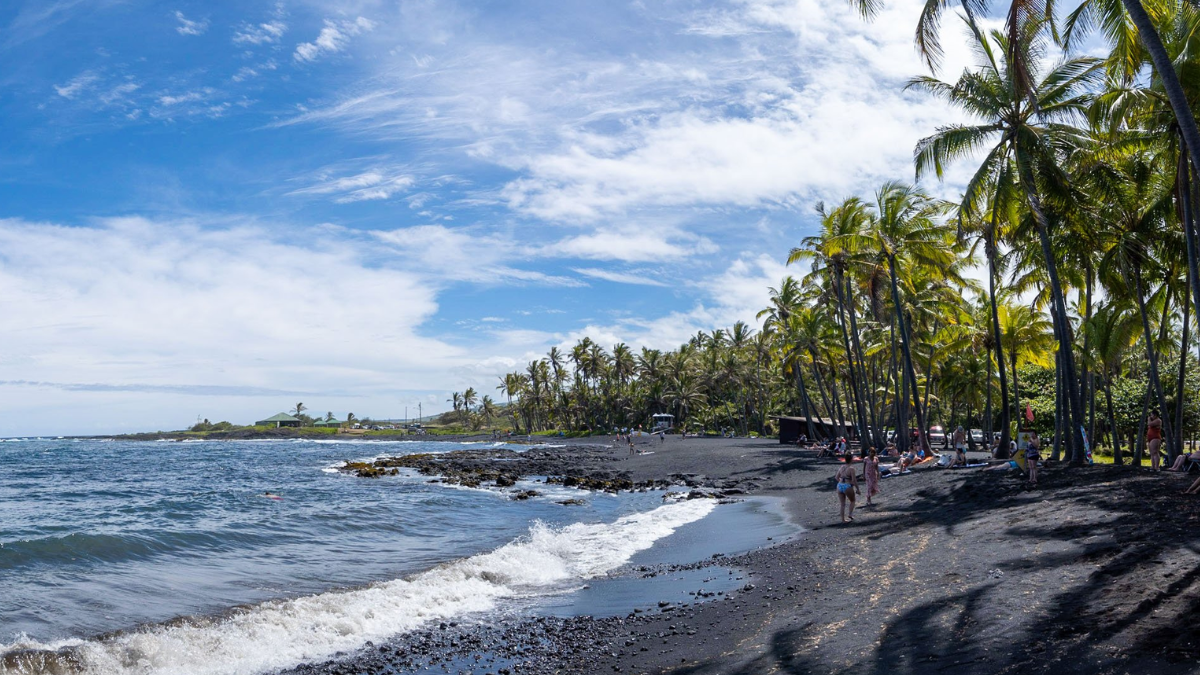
{"x": 1117, "y": 589}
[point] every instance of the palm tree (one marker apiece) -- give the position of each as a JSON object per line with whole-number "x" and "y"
{"x": 1026, "y": 334}
{"x": 1112, "y": 331}
{"x": 906, "y": 228}
{"x": 1107, "y": 13}
{"x": 300, "y": 407}
{"x": 487, "y": 409}
{"x": 1028, "y": 132}
{"x": 833, "y": 252}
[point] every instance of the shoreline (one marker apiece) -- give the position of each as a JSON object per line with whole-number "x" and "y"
{"x": 954, "y": 571}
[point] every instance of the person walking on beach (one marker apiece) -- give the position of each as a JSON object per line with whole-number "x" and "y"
{"x": 871, "y": 475}
{"x": 1154, "y": 438}
{"x": 847, "y": 487}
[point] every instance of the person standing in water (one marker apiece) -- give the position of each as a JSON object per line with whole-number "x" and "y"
{"x": 1154, "y": 438}
{"x": 871, "y": 475}
{"x": 847, "y": 487}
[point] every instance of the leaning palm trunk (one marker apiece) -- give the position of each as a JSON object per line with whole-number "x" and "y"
{"x": 1183, "y": 359}
{"x": 1140, "y": 440}
{"x": 910, "y": 373}
{"x": 812, "y": 432}
{"x": 1152, "y": 357}
{"x": 855, "y": 394}
{"x": 1118, "y": 458}
{"x": 989, "y": 433}
{"x": 1062, "y": 324}
{"x": 1056, "y": 453}
{"x": 1005, "y": 419}
{"x": 1175, "y": 95}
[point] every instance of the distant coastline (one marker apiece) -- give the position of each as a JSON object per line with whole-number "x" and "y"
{"x": 317, "y": 433}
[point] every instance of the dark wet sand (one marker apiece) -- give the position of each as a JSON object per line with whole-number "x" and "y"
{"x": 1097, "y": 570}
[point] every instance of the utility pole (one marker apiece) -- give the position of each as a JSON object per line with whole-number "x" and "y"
{"x": 420, "y": 412}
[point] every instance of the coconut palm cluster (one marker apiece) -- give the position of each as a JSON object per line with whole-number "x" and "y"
{"x": 1072, "y": 249}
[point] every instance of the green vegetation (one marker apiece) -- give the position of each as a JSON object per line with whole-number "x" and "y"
{"x": 1080, "y": 208}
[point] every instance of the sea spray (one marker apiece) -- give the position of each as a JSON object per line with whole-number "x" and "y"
{"x": 280, "y": 634}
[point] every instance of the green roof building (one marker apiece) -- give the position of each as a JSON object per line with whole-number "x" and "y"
{"x": 280, "y": 420}
{"x": 328, "y": 423}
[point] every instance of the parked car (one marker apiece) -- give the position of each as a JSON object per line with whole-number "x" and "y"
{"x": 937, "y": 435}
{"x": 977, "y": 435}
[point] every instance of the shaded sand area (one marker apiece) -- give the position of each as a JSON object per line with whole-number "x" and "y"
{"x": 960, "y": 571}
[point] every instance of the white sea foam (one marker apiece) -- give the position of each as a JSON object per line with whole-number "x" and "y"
{"x": 285, "y": 633}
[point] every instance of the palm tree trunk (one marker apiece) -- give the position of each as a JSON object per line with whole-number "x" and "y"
{"x": 1179, "y": 395}
{"x": 1118, "y": 457}
{"x": 989, "y": 433}
{"x": 855, "y": 395}
{"x": 1005, "y": 419}
{"x": 902, "y": 439}
{"x": 1063, "y": 325}
{"x": 868, "y": 439}
{"x": 1140, "y": 440}
{"x": 910, "y": 373}
{"x": 812, "y": 432}
{"x": 1089, "y": 390}
{"x": 929, "y": 370}
{"x": 1171, "y": 84}
{"x": 1152, "y": 357}
{"x": 1016, "y": 388}
{"x": 1056, "y": 453}
{"x": 837, "y": 403}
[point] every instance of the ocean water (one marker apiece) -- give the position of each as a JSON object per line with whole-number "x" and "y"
{"x": 165, "y": 557}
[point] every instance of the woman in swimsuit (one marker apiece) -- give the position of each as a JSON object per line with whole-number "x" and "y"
{"x": 847, "y": 487}
{"x": 1032, "y": 456}
{"x": 871, "y": 475}
{"x": 1154, "y": 437}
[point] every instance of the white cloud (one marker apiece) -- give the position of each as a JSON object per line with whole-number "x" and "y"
{"x": 150, "y": 303}
{"x": 464, "y": 254}
{"x": 188, "y": 97}
{"x": 269, "y": 32}
{"x": 646, "y": 242}
{"x": 374, "y": 184}
{"x": 332, "y": 38}
{"x": 119, "y": 93}
{"x": 77, "y": 84}
{"x": 244, "y": 73}
{"x": 618, "y": 277}
{"x": 189, "y": 27}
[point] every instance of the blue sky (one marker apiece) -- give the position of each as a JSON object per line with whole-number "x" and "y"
{"x": 222, "y": 208}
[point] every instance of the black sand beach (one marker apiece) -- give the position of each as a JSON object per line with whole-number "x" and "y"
{"x": 960, "y": 571}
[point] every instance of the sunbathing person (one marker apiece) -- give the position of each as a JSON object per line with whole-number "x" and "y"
{"x": 1194, "y": 489}
{"x": 1182, "y": 459}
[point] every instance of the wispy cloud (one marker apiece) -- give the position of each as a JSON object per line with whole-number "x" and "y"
{"x": 77, "y": 84}
{"x": 645, "y": 242}
{"x": 379, "y": 183}
{"x": 618, "y": 277}
{"x": 188, "y": 27}
{"x": 333, "y": 38}
{"x": 268, "y": 32}
{"x": 181, "y": 389}
{"x": 466, "y": 254}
